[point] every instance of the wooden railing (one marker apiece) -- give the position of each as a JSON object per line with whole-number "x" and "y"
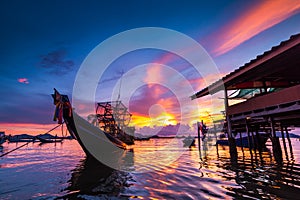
{"x": 284, "y": 96}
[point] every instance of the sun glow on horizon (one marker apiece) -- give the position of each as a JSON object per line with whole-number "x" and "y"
{"x": 163, "y": 119}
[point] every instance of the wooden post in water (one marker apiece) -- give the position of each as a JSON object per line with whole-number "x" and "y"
{"x": 259, "y": 144}
{"x": 253, "y": 140}
{"x": 284, "y": 144}
{"x": 204, "y": 135}
{"x": 241, "y": 139}
{"x": 275, "y": 143}
{"x": 248, "y": 135}
{"x": 199, "y": 142}
{"x": 242, "y": 145}
{"x": 249, "y": 141}
{"x": 290, "y": 144}
{"x": 231, "y": 140}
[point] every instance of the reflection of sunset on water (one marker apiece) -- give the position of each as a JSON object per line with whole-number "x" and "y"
{"x": 188, "y": 176}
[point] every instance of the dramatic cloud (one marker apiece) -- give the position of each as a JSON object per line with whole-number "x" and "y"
{"x": 23, "y": 80}
{"x": 56, "y": 62}
{"x": 149, "y": 108}
{"x": 258, "y": 18}
{"x": 164, "y": 99}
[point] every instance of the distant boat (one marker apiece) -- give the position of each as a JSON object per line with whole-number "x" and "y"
{"x": 12, "y": 139}
{"x": 95, "y": 142}
{"x": 53, "y": 140}
{"x": 2, "y": 137}
{"x": 244, "y": 142}
{"x": 189, "y": 141}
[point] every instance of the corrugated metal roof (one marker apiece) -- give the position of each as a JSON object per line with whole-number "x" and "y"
{"x": 212, "y": 88}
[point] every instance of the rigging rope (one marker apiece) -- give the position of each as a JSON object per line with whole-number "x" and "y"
{"x": 14, "y": 149}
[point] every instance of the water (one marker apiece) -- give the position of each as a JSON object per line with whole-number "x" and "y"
{"x": 61, "y": 170}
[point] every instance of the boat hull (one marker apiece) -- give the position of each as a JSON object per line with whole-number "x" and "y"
{"x": 2, "y": 140}
{"x": 96, "y": 144}
{"x": 54, "y": 140}
{"x": 13, "y": 140}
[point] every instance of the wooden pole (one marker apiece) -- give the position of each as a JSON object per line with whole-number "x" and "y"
{"x": 253, "y": 140}
{"x": 284, "y": 144}
{"x": 229, "y": 128}
{"x": 204, "y": 142}
{"x": 231, "y": 140}
{"x": 241, "y": 139}
{"x": 259, "y": 144}
{"x": 290, "y": 144}
{"x": 248, "y": 135}
{"x": 275, "y": 143}
{"x": 199, "y": 142}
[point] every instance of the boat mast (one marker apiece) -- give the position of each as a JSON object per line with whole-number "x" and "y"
{"x": 119, "y": 95}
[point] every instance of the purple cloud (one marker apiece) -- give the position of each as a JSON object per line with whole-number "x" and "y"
{"x": 56, "y": 62}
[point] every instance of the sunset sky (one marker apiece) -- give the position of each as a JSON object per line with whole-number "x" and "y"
{"x": 44, "y": 43}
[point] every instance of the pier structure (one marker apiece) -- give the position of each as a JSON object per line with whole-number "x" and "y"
{"x": 269, "y": 89}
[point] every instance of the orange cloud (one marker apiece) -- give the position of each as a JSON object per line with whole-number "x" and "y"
{"x": 23, "y": 80}
{"x": 163, "y": 119}
{"x": 139, "y": 120}
{"x": 258, "y": 18}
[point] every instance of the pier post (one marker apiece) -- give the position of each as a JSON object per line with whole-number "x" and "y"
{"x": 248, "y": 135}
{"x": 275, "y": 143}
{"x": 199, "y": 142}
{"x": 231, "y": 140}
{"x": 284, "y": 144}
{"x": 290, "y": 144}
{"x": 253, "y": 140}
{"x": 241, "y": 139}
{"x": 242, "y": 145}
{"x": 259, "y": 144}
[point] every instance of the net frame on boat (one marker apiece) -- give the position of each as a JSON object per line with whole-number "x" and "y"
{"x": 113, "y": 116}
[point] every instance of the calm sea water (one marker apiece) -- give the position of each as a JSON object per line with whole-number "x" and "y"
{"x": 61, "y": 170}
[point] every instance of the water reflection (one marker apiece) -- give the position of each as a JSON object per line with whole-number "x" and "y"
{"x": 92, "y": 178}
{"x": 259, "y": 176}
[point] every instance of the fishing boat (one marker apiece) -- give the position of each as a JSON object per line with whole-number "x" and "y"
{"x": 113, "y": 117}
{"x": 95, "y": 142}
{"x": 2, "y": 137}
{"x": 12, "y": 140}
{"x": 20, "y": 138}
{"x": 52, "y": 140}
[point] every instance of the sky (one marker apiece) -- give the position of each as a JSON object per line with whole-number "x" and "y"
{"x": 45, "y": 43}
